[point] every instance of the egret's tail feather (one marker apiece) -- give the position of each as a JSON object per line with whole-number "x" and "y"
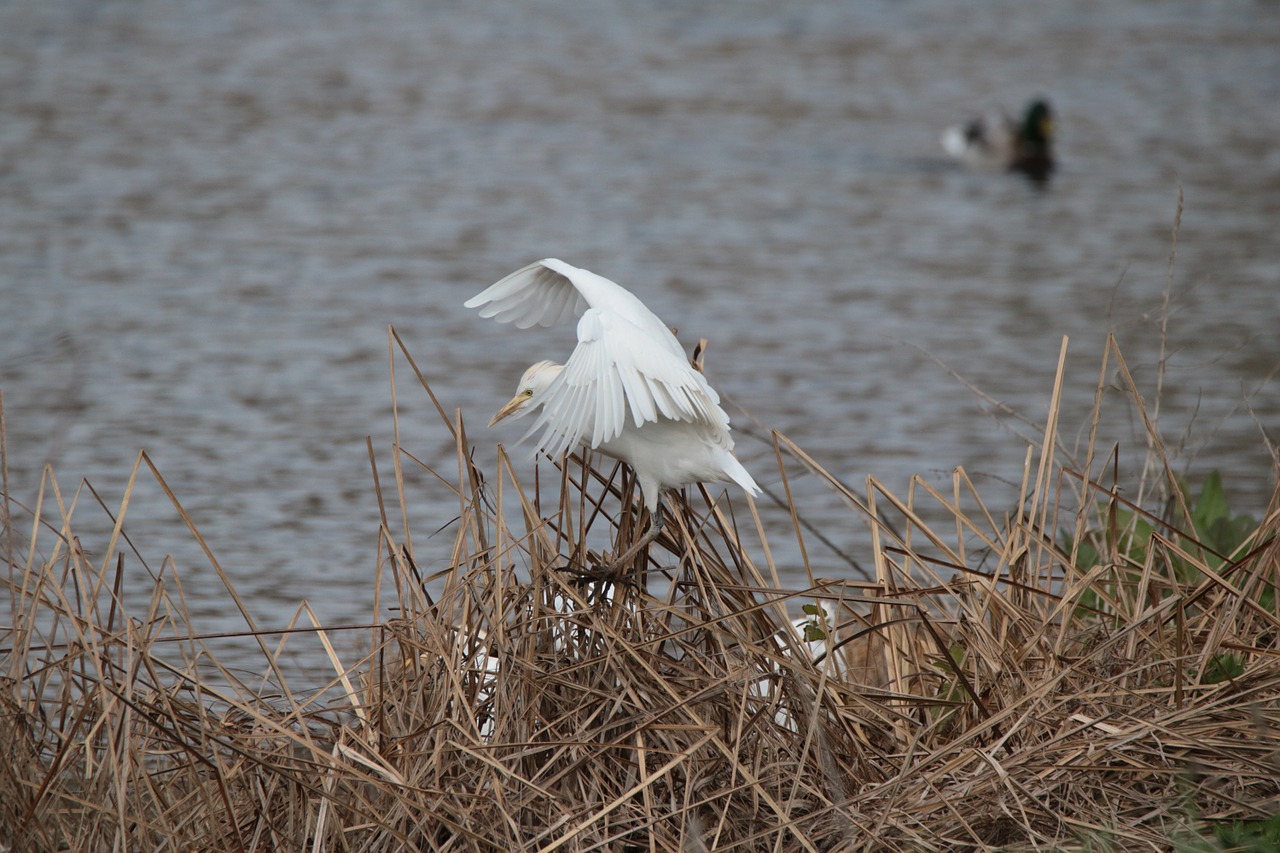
{"x": 734, "y": 471}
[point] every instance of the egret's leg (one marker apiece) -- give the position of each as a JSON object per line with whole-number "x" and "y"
{"x": 655, "y": 528}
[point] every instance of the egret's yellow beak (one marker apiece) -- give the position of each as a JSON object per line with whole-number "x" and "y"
{"x": 510, "y": 408}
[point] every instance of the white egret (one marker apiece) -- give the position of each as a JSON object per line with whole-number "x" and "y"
{"x": 627, "y": 390}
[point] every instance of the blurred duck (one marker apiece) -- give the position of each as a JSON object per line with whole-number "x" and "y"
{"x": 999, "y": 142}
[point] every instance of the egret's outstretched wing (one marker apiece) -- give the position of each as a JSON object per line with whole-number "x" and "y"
{"x": 550, "y": 291}
{"x": 627, "y": 361}
{"x": 536, "y": 295}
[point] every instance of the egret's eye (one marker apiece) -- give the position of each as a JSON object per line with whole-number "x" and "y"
{"x": 528, "y": 392}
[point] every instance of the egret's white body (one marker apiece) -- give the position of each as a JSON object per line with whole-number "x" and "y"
{"x": 627, "y": 390}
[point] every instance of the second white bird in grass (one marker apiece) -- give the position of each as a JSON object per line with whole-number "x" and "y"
{"x": 627, "y": 390}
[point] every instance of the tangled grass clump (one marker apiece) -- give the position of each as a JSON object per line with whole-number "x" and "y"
{"x": 1078, "y": 671}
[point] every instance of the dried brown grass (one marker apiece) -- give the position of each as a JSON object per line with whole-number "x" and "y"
{"x": 974, "y": 695}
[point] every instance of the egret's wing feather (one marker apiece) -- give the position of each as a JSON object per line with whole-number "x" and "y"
{"x": 612, "y": 298}
{"x": 550, "y": 291}
{"x": 617, "y": 375}
{"x": 535, "y": 295}
{"x": 635, "y": 394}
{"x": 563, "y": 301}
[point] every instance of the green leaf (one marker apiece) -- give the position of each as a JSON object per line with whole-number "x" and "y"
{"x": 1211, "y": 506}
{"x": 1251, "y": 835}
{"x": 812, "y": 633}
{"x": 1223, "y": 667}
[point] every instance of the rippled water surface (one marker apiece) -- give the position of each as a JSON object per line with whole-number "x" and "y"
{"x": 211, "y": 212}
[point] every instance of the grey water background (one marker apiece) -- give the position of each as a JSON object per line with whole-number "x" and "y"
{"x": 211, "y": 212}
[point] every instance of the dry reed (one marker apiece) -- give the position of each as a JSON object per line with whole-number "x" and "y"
{"x": 989, "y": 688}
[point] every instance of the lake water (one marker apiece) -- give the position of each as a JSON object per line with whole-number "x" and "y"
{"x": 211, "y": 212}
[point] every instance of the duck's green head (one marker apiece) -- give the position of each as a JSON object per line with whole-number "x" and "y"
{"x": 1037, "y": 125}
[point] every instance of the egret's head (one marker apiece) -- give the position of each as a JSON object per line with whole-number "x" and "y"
{"x": 532, "y": 384}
